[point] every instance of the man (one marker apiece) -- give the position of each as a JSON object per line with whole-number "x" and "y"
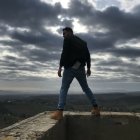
{"x": 75, "y": 56}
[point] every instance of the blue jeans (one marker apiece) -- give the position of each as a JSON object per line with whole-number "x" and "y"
{"x": 68, "y": 75}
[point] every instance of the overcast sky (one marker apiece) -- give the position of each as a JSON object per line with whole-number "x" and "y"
{"x": 31, "y": 42}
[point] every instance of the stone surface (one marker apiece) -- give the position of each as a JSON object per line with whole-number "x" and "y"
{"x": 28, "y": 129}
{"x": 107, "y": 127}
{"x": 41, "y": 127}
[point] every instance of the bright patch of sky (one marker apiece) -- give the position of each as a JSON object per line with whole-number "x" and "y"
{"x": 78, "y": 28}
{"x": 64, "y": 3}
{"x": 53, "y": 29}
{"x": 128, "y": 4}
{"x": 122, "y": 4}
{"x": 100, "y": 56}
{"x": 102, "y": 4}
{"x": 8, "y": 53}
{"x": 5, "y": 38}
{"x": 133, "y": 43}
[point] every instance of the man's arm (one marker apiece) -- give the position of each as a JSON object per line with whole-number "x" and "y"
{"x": 65, "y": 52}
{"x": 88, "y": 60}
{"x": 61, "y": 64}
{"x": 59, "y": 71}
{"x": 63, "y": 56}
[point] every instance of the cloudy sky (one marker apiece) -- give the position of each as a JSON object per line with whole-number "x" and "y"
{"x": 31, "y": 42}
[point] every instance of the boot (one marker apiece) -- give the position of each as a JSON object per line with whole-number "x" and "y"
{"x": 95, "y": 111}
{"x": 57, "y": 115}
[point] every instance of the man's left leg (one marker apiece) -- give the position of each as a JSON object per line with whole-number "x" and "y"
{"x": 81, "y": 77}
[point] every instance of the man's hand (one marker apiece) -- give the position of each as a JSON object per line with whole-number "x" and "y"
{"x": 88, "y": 72}
{"x": 59, "y": 72}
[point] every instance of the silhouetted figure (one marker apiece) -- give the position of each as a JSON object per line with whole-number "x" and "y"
{"x": 75, "y": 56}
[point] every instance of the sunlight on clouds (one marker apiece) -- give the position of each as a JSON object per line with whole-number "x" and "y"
{"x": 103, "y": 4}
{"x": 133, "y": 43}
{"x": 78, "y": 28}
{"x": 128, "y": 4}
{"x": 9, "y": 28}
{"x": 124, "y": 59}
{"x": 3, "y": 51}
{"x": 102, "y": 75}
{"x": 49, "y": 69}
{"x": 138, "y": 60}
{"x": 40, "y": 74}
{"x": 47, "y": 1}
{"x": 97, "y": 29}
{"x": 49, "y": 74}
{"x": 22, "y": 29}
{"x": 137, "y": 45}
{"x": 8, "y": 53}
{"x": 53, "y": 29}
{"x": 100, "y": 56}
{"x": 64, "y": 3}
{"x": 30, "y": 47}
{"x": 60, "y": 17}
{"x": 5, "y": 38}
{"x": 92, "y": 2}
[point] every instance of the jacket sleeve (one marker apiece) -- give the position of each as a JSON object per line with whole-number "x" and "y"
{"x": 88, "y": 59}
{"x": 64, "y": 52}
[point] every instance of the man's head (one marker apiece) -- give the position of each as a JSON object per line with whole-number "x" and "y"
{"x": 67, "y": 32}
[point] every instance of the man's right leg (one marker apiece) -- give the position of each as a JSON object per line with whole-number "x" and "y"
{"x": 66, "y": 81}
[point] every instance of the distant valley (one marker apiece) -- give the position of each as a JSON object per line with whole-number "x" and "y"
{"x": 16, "y": 106}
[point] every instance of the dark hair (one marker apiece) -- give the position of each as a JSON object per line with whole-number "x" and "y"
{"x": 68, "y": 29}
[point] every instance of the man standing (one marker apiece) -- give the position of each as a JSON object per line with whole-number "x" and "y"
{"x": 75, "y": 56}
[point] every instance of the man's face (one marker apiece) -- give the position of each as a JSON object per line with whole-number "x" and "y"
{"x": 66, "y": 34}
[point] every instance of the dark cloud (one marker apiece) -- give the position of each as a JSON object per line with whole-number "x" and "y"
{"x": 16, "y": 64}
{"x": 120, "y": 22}
{"x": 120, "y": 69}
{"x": 41, "y": 39}
{"x": 120, "y": 25}
{"x": 3, "y": 29}
{"x": 42, "y": 55}
{"x": 136, "y": 10}
{"x": 28, "y": 13}
{"x": 126, "y": 52}
{"x": 32, "y": 15}
{"x": 67, "y": 23}
{"x": 12, "y": 44}
{"x": 99, "y": 42}
{"x": 80, "y": 9}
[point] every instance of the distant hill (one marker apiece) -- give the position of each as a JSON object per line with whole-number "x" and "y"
{"x": 17, "y": 106}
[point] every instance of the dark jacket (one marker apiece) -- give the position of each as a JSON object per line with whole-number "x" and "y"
{"x": 74, "y": 49}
